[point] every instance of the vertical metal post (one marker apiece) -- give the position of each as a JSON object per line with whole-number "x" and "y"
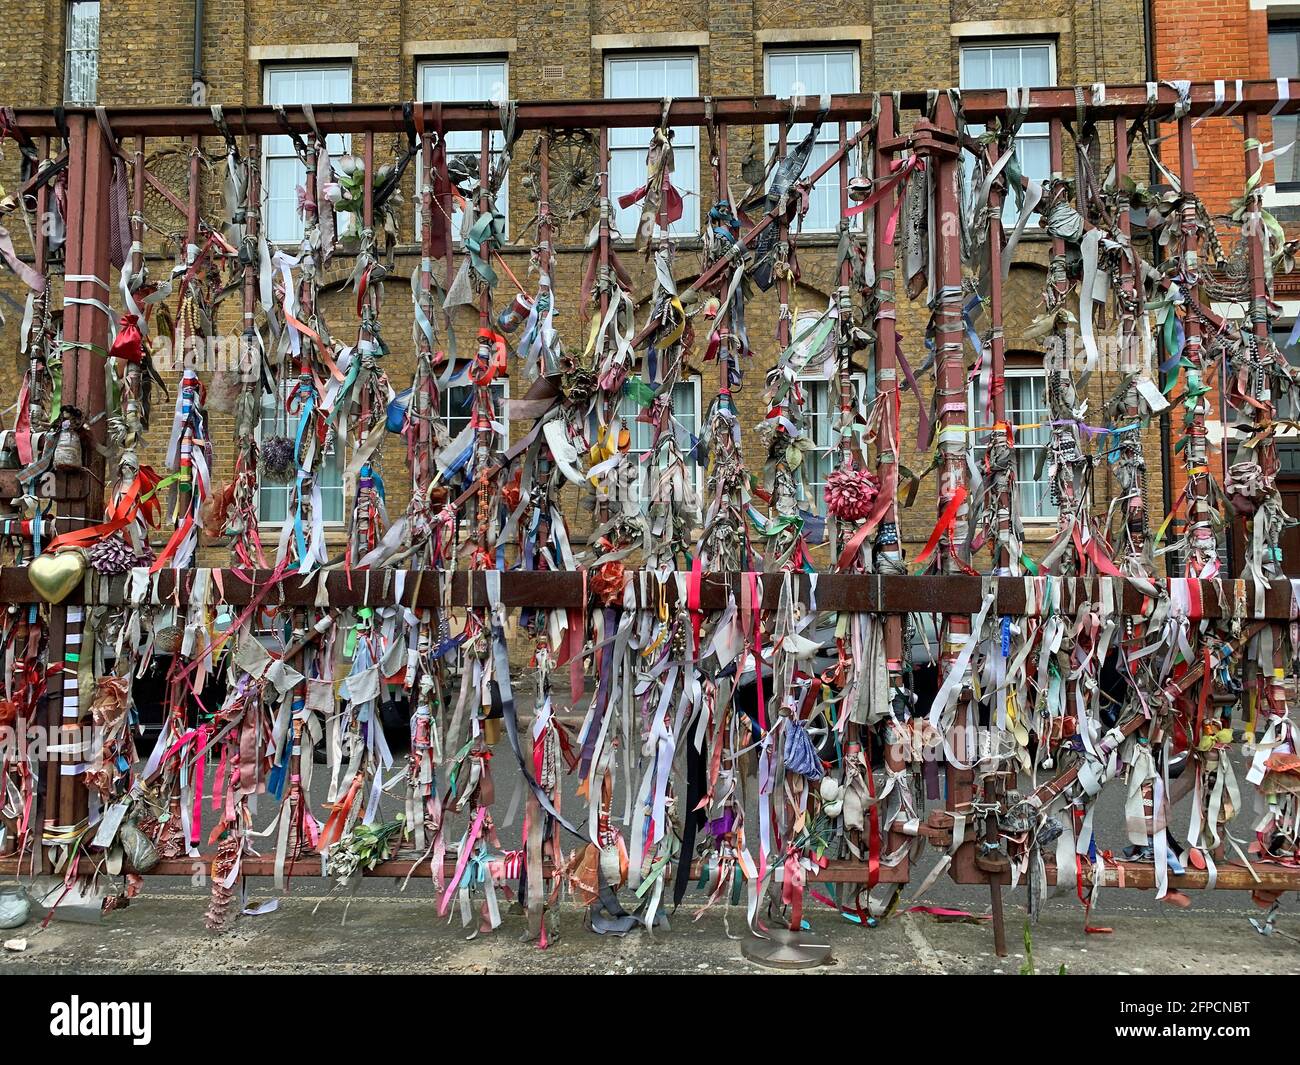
{"x": 1131, "y": 307}
{"x": 1202, "y": 555}
{"x": 950, "y": 381}
{"x": 888, "y": 399}
{"x": 424, "y": 408}
{"x": 721, "y": 192}
{"x": 534, "y": 816}
{"x": 483, "y": 397}
{"x": 783, "y": 337}
{"x": 86, "y": 331}
{"x": 783, "y": 239}
{"x": 844, "y": 381}
{"x": 998, "y": 358}
{"x": 1002, "y": 559}
{"x": 301, "y": 619}
{"x": 26, "y": 631}
{"x": 602, "y": 285}
{"x": 1059, "y": 379}
{"x": 545, "y": 262}
{"x": 1259, "y": 327}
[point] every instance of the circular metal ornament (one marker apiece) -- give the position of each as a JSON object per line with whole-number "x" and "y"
{"x": 573, "y": 169}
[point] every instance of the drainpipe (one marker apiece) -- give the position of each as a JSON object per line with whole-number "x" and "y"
{"x": 1166, "y": 434}
{"x": 198, "y": 85}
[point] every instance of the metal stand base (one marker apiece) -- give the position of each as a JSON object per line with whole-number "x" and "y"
{"x": 784, "y": 949}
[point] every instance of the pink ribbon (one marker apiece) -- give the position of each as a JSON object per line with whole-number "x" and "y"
{"x": 30, "y": 277}
{"x": 901, "y": 169}
{"x": 462, "y": 860}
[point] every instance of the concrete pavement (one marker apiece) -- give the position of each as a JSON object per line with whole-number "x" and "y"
{"x": 388, "y": 932}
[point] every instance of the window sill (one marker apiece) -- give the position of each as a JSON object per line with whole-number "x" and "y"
{"x": 1287, "y": 195}
{"x": 1039, "y": 530}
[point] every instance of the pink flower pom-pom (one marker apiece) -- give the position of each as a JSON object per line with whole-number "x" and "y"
{"x": 851, "y": 493}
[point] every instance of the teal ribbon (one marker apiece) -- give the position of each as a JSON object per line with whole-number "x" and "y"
{"x": 304, "y": 417}
{"x": 487, "y": 233}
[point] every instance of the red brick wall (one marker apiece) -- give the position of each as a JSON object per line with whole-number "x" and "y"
{"x": 1214, "y": 39}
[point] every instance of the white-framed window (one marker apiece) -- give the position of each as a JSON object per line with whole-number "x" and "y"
{"x": 1026, "y": 405}
{"x": 457, "y": 407}
{"x": 635, "y": 77}
{"x": 282, "y": 170}
{"x": 1009, "y": 65}
{"x": 685, "y": 424}
{"x": 81, "y": 52}
{"x": 809, "y": 72}
{"x": 273, "y": 499}
{"x": 1288, "y": 402}
{"x": 821, "y": 406}
{"x": 467, "y": 80}
{"x": 1284, "y": 62}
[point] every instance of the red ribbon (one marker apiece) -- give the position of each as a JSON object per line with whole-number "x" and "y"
{"x": 671, "y": 208}
{"x": 946, "y": 522}
{"x": 136, "y": 500}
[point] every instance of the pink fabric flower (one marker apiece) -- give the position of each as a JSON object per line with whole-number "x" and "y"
{"x": 851, "y": 493}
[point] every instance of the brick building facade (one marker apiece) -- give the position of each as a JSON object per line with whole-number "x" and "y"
{"x": 1247, "y": 39}
{"x": 255, "y": 51}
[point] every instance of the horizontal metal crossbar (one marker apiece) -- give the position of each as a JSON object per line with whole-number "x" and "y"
{"x": 1119, "y": 101}
{"x": 567, "y": 590}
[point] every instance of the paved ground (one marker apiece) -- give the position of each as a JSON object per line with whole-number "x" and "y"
{"x": 392, "y": 933}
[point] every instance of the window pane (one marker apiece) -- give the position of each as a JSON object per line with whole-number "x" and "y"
{"x": 1287, "y": 399}
{"x": 1284, "y": 62}
{"x": 458, "y": 407}
{"x": 284, "y": 172}
{"x": 621, "y": 79}
{"x": 824, "y": 199}
{"x": 1026, "y": 403}
{"x": 1036, "y": 68}
{"x": 1035, "y": 155}
{"x": 782, "y": 73}
{"x": 975, "y": 68}
{"x": 684, "y": 425}
{"x": 283, "y": 177}
{"x": 821, "y": 403}
{"x": 1005, "y": 67}
{"x": 658, "y": 77}
{"x": 809, "y": 74}
{"x": 273, "y": 499}
{"x": 841, "y": 72}
{"x": 1284, "y": 52}
{"x": 82, "y": 53}
{"x": 468, "y": 81}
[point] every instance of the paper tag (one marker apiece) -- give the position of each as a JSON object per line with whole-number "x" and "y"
{"x": 1151, "y": 395}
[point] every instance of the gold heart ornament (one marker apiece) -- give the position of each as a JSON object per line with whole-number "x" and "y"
{"x": 54, "y": 576}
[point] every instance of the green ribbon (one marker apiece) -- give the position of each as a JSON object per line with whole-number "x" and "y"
{"x": 639, "y": 392}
